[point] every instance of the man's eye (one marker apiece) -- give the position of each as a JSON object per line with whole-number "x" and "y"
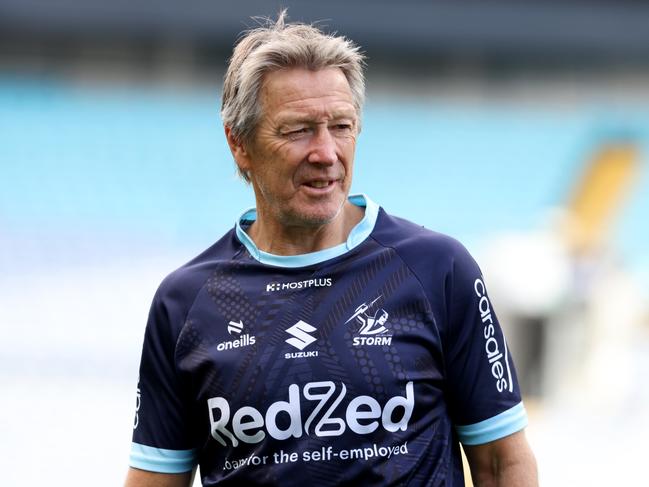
{"x": 343, "y": 127}
{"x": 296, "y": 132}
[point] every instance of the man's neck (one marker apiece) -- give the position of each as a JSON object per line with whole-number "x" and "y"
{"x": 298, "y": 240}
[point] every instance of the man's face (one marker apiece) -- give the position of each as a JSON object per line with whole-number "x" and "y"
{"x": 300, "y": 161}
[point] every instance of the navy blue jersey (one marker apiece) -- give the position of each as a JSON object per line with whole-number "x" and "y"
{"x": 366, "y": 363}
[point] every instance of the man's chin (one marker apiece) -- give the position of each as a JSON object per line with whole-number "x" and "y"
{"x": 309, "y": 220}
{"x": 313, "y": 217}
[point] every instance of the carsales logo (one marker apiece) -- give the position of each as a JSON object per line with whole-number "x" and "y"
{"x": 138, "y": 402}
{"x": 492, "y": 347}
{"x": 363, "y": 415}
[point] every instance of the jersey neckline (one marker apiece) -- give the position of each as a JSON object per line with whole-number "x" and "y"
{"x": 358, "y": 234}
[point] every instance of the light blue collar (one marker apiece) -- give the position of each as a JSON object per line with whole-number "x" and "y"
{"x": 359, "y": 233}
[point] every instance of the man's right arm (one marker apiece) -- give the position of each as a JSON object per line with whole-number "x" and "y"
{"x": 161, "y": 450}
{"x": 143, "y": 478}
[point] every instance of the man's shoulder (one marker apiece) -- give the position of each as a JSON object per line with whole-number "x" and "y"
{"x": 413, "y": 241}
{"x": 185, "y": 281}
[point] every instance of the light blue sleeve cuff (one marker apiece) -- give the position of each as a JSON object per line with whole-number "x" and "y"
{"x": 499, "y": 426}
{"x": 161, "y": 460}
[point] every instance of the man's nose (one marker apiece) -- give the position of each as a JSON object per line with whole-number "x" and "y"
{"x": 323, "y": 147}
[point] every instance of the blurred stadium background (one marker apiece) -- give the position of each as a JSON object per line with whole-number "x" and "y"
{"x": 521, "y": 128}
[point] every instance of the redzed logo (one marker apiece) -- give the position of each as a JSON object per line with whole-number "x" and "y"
{"x": 363, "y": 415}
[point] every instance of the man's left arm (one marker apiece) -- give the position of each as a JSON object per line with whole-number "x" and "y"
{"x": 508, "y": 462}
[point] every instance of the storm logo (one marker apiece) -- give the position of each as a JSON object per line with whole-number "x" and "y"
{"x": 372, "y": 325}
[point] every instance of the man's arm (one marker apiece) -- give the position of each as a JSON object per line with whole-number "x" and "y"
{"x": 507, "y": 462}
{"x": 142, "y": 478}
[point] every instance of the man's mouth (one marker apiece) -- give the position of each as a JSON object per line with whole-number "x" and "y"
{"x": 319, "y": 184}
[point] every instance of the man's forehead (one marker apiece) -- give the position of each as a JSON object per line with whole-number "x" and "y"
{"x": 310, "y": 113}
{"x": 298, "y": 91}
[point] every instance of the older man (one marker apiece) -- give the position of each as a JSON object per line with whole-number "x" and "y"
{"x": 321, "y": 341}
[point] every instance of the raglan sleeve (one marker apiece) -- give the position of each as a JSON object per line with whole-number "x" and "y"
{"x": 484, "y": 396}
{"x": 162, "y": 438}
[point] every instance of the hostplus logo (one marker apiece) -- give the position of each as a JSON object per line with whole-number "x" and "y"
{"x": 235, "y": 328}
{"x": 301, "y": 338}
{"x": 296, "y": 285}
{"x": 373, "y": 330}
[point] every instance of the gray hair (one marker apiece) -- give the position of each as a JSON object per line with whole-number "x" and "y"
{"x": 278, "y": 45}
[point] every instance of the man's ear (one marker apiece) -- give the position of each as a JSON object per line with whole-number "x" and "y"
{"x": 239, "y": 152}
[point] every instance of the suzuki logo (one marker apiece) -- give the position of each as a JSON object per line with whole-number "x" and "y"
{"x": 301, "y": 338}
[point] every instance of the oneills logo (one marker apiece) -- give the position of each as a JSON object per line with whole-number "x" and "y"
{"x": 244, "y": 340}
